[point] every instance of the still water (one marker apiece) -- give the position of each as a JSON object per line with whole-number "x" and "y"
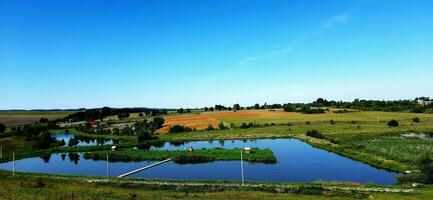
{"x": 296, "y": 162}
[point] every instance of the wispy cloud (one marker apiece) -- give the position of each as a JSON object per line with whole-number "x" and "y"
{"x": 337, "y": 19}
{"x": 328, "y": 23}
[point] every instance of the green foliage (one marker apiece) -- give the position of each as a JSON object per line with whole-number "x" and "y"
{"x": 425, "y": 165}
{"x": 258, "y": 155}
{"x": 392, "y": 123}
{"x": 221, "y": 125}
{"x": 158, "y": 122}
{"x": 44, "y": 140}
{"x": 416, "y": 119}
{"x": 316, "y": 134}
{"x": 74, "y": 141}
{"x": 236, "y": 107}
{"x": 178, "y": 129}
{"x": 210, "y": 127}
{"x": 2, "y": 128}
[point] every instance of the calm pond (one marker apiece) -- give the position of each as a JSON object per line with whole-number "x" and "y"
{"x": 296, "y": 162}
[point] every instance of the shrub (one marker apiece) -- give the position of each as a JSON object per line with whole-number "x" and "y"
{"x": 221, "y": 125}
{"x": 2, "y": 128}
{"x": 332, "y": 121}
{"x": 210, "y": 127}
{"x": 158, "y": 122}
{"x": 316, "y": 134}
{"x": 425, "y": 165}
{"x": 178, "y": 128}
{"x": 416, "y": 119}
{"x": 393, "y": 123}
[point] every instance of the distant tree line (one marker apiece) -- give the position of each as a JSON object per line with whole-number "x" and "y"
{"x": 321, "y": 105}
{"x": 121, "y": 113}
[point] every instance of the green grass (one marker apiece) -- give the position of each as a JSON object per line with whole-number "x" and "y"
{"x": 41, "y": 186}
{"x": 258, "y": 155}
{"x": 404, "y": 150}
{"x": 366, "y": 116}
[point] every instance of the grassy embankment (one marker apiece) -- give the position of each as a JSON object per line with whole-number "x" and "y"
{"x": 41, "y": 186}
{"x": 258, "y": 155}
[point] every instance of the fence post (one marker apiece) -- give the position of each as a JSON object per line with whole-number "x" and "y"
{"x": 13, "y": 163}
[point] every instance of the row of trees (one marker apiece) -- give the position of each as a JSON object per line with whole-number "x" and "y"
{"x": 37, "y": 133}
{"x": 100, "y": 113}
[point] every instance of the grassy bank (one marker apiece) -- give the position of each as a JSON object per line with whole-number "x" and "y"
{"x": 41, "y": 186}
{"x": 258, "y": 155}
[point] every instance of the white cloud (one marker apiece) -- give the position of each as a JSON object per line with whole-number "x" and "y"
{"x": 337, "y": 19}
{"x": 333, "y": 21}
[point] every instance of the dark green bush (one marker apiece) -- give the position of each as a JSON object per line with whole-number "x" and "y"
{"x": 393, "y": 123}
{"x": 178, "y": 129}
{"x": 416, "y": 119}
{"x": 316, "y": 134}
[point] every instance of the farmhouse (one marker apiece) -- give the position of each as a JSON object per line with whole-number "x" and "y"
{"x": 424, "y": 102}
{"x": 93, "y": 123}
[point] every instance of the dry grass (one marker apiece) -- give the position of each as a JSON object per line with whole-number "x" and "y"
{"x": 202, "y": 120}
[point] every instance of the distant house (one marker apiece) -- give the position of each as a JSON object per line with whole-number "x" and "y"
{"x": 424, "y": 102}
{"x": 93, "y": 123}
{"x": 189, "y": 149}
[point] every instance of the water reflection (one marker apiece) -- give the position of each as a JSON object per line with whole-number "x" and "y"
{"x": 296, "y": 162}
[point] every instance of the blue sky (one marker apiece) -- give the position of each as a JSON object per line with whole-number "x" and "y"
{"x": 71, "y": 54}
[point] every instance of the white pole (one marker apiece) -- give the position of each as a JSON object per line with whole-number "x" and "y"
{"x": 108, "y": 169}
{"x": 242, "y": 169}
{"x": 13, "y": 163}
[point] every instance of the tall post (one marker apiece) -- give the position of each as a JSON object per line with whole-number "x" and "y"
{"x": 378, "y": 119}
{"x": 108, "y": 169}
{"x": 1, "y": 156}
{"x": 13, "y": 163}
{"x": 242, "y": 169}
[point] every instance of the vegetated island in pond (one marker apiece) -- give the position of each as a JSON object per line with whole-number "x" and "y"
{"x": 183, "y": 157}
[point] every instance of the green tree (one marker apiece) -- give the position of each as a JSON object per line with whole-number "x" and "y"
{"x": 140, "y": 114}
{"x": 256, "y": 106}
{"x": 105, "y": 111}
{"x": 158, "y": 122}
{"x": 221, "y": 125}
{"x": 236, "y": 106}
{"x": 2, "y": 128}
{"x": 416, "y": 119}
{"x": 393, "y": 123}
{"x": 210, "y": 127}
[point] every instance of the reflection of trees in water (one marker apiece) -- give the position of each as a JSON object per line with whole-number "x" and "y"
{"x": 221, "y": 142}
{"x": 63, "y": 155}
{"x": 158, "y": 144}
{"x": 74, "y": 157}
{"x": 176, "y": 144}
{"x": 92, "y": 140}
{"x": 46, "y": 158}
